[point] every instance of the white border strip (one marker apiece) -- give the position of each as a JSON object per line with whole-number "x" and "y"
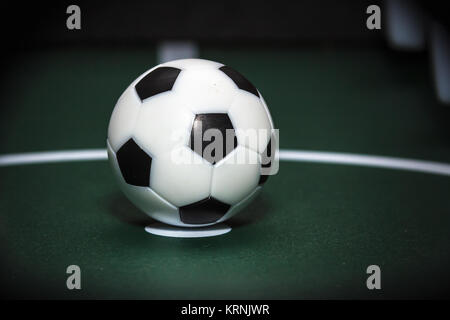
{"x": 285, "y": 155}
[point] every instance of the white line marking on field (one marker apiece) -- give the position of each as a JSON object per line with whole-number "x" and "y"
{"x": 284, "y": 155}
{"x": 366, "y": 160}
{"x": 52, "y": 156}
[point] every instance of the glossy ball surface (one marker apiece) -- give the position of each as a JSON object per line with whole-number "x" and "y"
{"x": 154, "y": 155}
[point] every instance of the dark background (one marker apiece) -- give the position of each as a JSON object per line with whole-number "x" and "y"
{"x": 137, "y": 21}
{"x": 38, "y": 23}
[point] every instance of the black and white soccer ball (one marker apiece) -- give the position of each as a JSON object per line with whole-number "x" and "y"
{"x": 155, "y": 120}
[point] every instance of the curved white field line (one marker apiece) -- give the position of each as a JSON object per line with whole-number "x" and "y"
{"x": 366, "y": 160}
{"x": 52, "y": 156}
{"x": 284, "y": 155}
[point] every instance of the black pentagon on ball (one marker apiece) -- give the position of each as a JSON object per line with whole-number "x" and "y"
{"x": 205, "y": 129}
{"x": 158, "y": 81}
{"x": 208, "y": 210}
{"x": 239, "y": 80}
{"x": 134, "y": 164}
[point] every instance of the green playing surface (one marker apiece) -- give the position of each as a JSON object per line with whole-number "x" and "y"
{"x": 312, "y": 232}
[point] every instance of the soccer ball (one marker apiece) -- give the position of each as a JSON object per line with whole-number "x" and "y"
{"x": 158, "y": 163}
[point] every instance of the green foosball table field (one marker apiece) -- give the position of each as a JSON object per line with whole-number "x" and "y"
{"x": 312, "y": 232}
